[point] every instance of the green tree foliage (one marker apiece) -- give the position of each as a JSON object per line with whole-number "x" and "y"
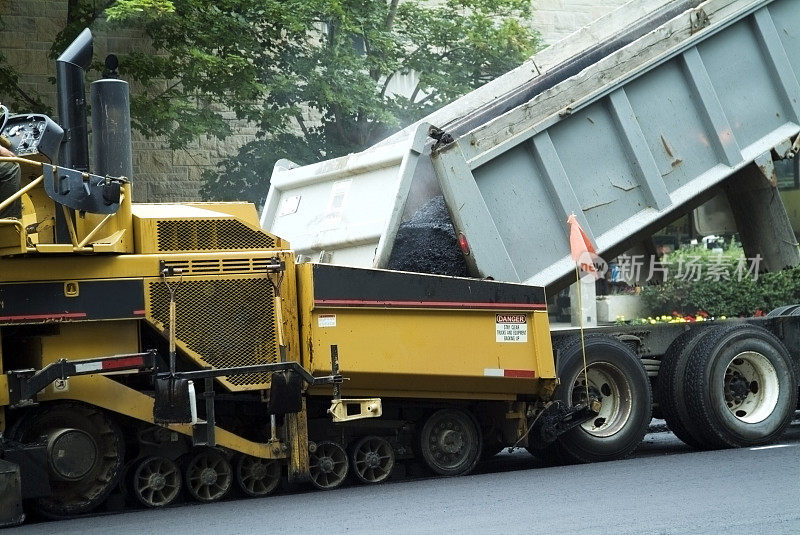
{"x": 312, "y": 75}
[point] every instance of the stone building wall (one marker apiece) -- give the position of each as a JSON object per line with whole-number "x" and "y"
{"x": 556, "y": 19}
{"x": 160, "y": 174}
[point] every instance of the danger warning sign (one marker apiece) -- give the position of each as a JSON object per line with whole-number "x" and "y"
{"x": 511, "y": 328}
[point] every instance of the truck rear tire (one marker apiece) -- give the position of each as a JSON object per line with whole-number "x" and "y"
{"x": 618, "y": 380}
{"x": 741, "y": 386}
{"x": 670, "y": 387}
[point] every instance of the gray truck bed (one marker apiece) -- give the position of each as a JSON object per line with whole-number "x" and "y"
{"x": 624, "y": 144}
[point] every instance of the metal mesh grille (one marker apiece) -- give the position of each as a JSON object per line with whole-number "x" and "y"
{"x": 179, "y": 235}
{"x": 225, "y": 322}
{"x": 226, "y": 265}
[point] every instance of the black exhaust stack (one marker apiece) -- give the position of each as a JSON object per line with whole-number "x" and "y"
{"x": 71, "y": 87}
{"x": 111, "y": 124}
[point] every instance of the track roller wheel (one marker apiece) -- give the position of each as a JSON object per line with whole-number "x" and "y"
{"x": 256, "y": 477}
{"x": 156, "y": 481}
{"x": 209, "y": 475}
{"x": 328, "y": 466}
{"x": 85, "y": 451}
{"x": 372, "y": 459}
{"x": 450, "y": 442}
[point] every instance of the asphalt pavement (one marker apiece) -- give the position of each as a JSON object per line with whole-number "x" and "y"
{"x": 666, "y": 489}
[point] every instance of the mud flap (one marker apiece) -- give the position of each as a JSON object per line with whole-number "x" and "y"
{"x": 10, "y": 495}
{"x": 172, "y": 404}
{"x": 297, "y": 427}
{"x": 285, "y": 393}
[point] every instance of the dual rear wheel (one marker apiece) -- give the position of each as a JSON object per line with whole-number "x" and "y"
{"x": 727, "y": 386}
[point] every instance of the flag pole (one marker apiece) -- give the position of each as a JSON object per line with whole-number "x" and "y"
{"x": 579, "y": 244}
{"x": 580, "y": 328}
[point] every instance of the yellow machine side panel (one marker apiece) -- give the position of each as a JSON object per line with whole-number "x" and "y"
{"x": 413, "y": 349}
{"x": 4, "y": 401}
{"x": 290, "y": 315}
{"x": 88, "y": 340}
{"x": 188, "y": 228}
{"x": 305, "y": 304}
{"x": 43, "y": 267}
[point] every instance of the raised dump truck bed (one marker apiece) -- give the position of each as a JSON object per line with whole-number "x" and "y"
{"x": 624, "y": 144}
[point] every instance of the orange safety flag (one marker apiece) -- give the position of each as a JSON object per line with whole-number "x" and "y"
{"x": 580, "y": 246}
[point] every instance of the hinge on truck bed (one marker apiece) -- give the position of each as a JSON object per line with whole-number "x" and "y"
{"x": 441, "y": 137}
{"x": 795, "y": 148}
{"x": 698, "y": 20}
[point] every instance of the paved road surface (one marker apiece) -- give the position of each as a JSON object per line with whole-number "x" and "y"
{"x": 666, "y": 489}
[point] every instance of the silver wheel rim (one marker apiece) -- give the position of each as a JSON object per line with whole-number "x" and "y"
{"x": 607, "y": 384}
{"x": 157, "y": 482}
{"x": 750, "y": 387}
{"x": 209, "y": 476}
{"x": 328, "y": 465}
{"x": 373, "y": 459}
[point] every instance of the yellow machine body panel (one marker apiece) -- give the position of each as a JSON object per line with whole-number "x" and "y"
{"x": 230, "y": 278}
{"x": 35, "y": 231}
{"x": 228, "y": 319}
{"x": 411, "y": 335}
{"x": 84, "y": 340}
{"x": 199, "y": 227}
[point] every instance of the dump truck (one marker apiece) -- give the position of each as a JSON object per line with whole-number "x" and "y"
{"x": 175, "y": 350}
{"x": 627, "y": 125}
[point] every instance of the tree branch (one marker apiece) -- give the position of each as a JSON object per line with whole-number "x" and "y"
{"x": 386, "y": 84}
{"x": 391, "y": 14}
{"x": 34, "y": 102}
{"x": 306, "y": 133}
{"x": 414, "y": 94}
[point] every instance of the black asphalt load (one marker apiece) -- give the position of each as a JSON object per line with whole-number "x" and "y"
{"x": 427, "y": 243}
